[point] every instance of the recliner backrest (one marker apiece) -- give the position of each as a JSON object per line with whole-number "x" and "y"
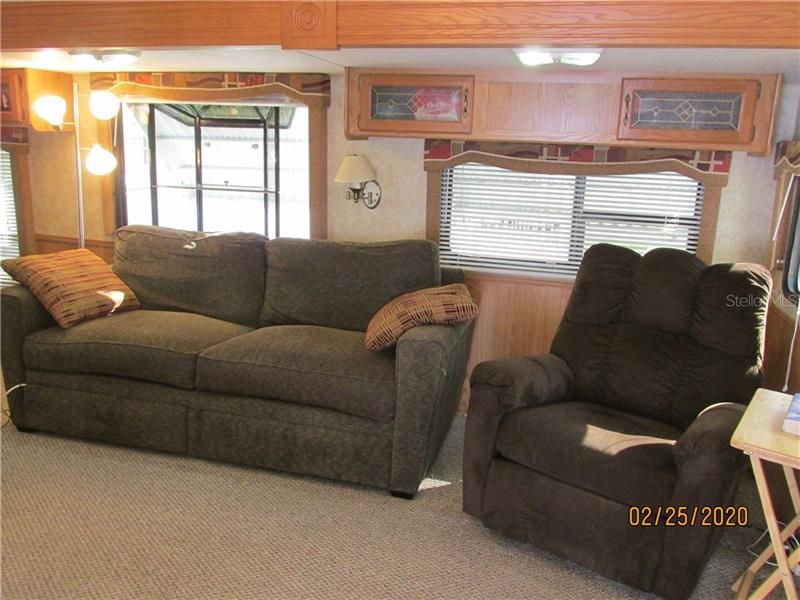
{"x": 663, "y": 335}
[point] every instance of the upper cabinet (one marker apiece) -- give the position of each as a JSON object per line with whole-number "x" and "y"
{"x": 22, "y": 87}
{"x": 409, "y": 105}
{"x": 703, "y": 112}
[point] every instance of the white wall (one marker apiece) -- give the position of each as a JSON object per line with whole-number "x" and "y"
{"x": 398, "y": 165}
{"x": 745, "y": 218}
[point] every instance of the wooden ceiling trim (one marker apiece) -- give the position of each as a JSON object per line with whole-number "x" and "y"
{"x": 573, "y": 23}
{"x": 120, "y": 24}
{"x": 401, "y": 23}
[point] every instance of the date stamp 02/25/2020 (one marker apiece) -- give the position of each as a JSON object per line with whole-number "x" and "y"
{"x": 688, "y": 516}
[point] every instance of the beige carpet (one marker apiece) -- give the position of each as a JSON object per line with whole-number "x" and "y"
{"x": 84, "y": 520}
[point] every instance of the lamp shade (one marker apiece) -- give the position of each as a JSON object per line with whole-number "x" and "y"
{"x": 354, "y": 169}
{"x": 52, "y": 109}
{"x": 100, "y": 161}
{"x": 103, "y": 105}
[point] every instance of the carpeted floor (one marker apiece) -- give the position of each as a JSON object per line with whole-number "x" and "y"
{"x": 84, "y": 520}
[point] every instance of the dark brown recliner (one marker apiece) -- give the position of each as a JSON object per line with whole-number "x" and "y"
{"x": 560, "y": 446}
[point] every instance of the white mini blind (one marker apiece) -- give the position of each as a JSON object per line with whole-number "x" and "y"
{"x": 498, "y": 219}
{"x": 9, "y": 236}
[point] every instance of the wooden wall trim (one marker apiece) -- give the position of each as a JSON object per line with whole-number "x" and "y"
{"x": 115, "y": 24}
{"x": 527, "y": 165}
{"x": 132, "y": 92}
{"x": 708, "y": 223}
{"x": 318, "y": 172}
{"x": 55, "y": 243}
{"x": 604, "y": 23}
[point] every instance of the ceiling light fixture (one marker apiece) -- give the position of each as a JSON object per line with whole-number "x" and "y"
{"x": 88, "y": 59}
{"x": 536, "y": 57}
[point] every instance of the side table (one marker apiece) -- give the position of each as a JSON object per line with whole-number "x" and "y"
{"x": 761, "y": 437}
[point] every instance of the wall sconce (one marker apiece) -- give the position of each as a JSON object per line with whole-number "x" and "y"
{"x": 356, "y": 171}
{"x": 99, "y": 161}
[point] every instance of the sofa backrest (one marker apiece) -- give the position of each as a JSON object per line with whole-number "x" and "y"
{"x": 342, "y": 285}
{"x": 662, "y": 335}
{"x": 217, "y": 275}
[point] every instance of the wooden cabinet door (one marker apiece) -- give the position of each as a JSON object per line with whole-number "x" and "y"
{"x": 398, "y": 103}
{"x": 13, "y": 101}
{"x": 689, "y": 110}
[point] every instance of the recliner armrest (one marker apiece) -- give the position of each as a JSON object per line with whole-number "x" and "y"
{"x": 706, "y": 443}
{"x": 500, "y": 386}
{"x": 525, "y": 381}
{"x": 20, "y": 314}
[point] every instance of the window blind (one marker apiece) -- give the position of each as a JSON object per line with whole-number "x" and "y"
{"x": 498, "y": 219}
{"x": 9, "y": 236}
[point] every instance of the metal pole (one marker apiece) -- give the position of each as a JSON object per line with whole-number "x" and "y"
{"x": 78, "y": 167}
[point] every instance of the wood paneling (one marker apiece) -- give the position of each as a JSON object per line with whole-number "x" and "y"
{"x": 308, "y": 25}
{"x": 571, "y": 23}
{"x": 55, "y": 243}
{"x": 518, "y": 317}
{"x": 557, "y": 111}
{"x": 115, "y": 24}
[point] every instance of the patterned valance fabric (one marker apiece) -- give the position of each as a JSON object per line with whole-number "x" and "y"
{"x": 712, "y": 161}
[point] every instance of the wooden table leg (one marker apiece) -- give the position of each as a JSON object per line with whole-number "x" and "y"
{"x": 774, "y": 531}
{"x": 742, "y": 586}
{"x": 794, "y": 492}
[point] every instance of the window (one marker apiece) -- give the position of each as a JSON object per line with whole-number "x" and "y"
{"x": 9, "y": 235}
{"x": 499, "y": 219}
{"x": 216, "y": 168}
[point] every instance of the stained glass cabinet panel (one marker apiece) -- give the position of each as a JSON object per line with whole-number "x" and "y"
{"x": 415, "y": 103}
{"x": 699, "y": 110}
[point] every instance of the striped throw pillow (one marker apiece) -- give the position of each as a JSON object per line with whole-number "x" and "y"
{"x": 444, "y": 305}
{"x": 73, "y": 285}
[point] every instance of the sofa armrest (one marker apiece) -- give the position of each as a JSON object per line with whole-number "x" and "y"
{"x": 20, "y": 314}
{"x": 498, "y": 387}
{"x": 430, "y": 369}
{"x": 709, "y": 469}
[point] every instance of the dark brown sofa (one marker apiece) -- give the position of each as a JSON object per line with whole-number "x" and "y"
{"x": 633, "y": 407}
{"x": 251, "y": 352}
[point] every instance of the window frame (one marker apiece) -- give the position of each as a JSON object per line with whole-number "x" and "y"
{"x": 713, "y": 184}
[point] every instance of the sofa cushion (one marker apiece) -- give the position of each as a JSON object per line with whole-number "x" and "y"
{"x": 318, "y": 366}
{"x": 158, "y": 346}
{"x": 219, "y": 275}
{"x": 73, "y": 285}
{"x": 616, "y": 455}
{"x": 342, "y": 285}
